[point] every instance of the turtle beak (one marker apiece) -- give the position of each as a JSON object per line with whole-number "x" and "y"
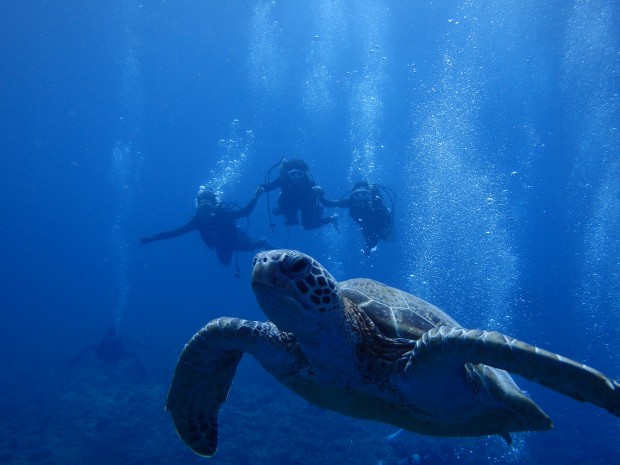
{"x": 263, "y": 275}
{"x": 274, "y": 291}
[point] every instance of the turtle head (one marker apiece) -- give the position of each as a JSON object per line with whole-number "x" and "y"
{"x": 295, "y": 291}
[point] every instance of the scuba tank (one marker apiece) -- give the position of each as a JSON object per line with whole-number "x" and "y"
{"x": 376, "y": 193}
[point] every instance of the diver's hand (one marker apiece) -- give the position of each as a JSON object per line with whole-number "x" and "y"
{"x": 260, "y": 189}
{"x": 318, "y": 191}
{"x": 148, "y": 240}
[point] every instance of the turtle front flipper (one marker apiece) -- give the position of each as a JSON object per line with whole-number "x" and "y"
{"x": 204, "y": 374}
{"x": 497, "y": 350}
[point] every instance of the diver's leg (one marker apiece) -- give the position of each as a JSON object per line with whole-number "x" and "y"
{"x": 224, "y": 254}
{"x": 372, "y": 239}
{"x": 288, "y": 208}
{"x": 247, "y": 244}
{"x": 288, "y": 205}
{"x": 311, "y": 218}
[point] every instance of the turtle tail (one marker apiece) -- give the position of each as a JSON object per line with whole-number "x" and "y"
{"x": 202, "y": 379}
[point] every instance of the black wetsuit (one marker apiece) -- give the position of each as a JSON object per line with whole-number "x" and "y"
{"x": 219, "y": 230}
{"x": 297, "y": 196}
{"x": 373, "y": 217}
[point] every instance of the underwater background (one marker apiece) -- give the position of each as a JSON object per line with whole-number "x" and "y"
{"x": 494, "y": 123}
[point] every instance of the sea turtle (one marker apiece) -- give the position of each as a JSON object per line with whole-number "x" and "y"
{"x": 371, "y": 351}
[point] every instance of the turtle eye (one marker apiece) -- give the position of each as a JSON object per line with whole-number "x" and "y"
{"x": 299, "y": 265}
{"x": 296, "y": 264}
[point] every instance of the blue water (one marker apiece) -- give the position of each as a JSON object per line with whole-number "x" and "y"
{"x": 495, "y": 124}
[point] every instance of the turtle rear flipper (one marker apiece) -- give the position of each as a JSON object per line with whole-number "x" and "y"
{"x": 500, "y": 351}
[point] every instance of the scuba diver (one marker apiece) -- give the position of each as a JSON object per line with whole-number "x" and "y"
{"x": 216, "y": 223}
{"x": 368, "y": 209}
{"x": 110, "y": 349}
{"x": 297, "y": 193}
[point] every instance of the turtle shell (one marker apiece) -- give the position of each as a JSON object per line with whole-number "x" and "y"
{"x": 397, "y": 314}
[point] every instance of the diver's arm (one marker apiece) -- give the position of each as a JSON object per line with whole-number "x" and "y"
{"x": 272, "y": 185}
{"x": 343, "y": 203}
{"x": 188, "y": 227}
{"x": 245, "y": 211}
{"x": 333, "y": 203}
